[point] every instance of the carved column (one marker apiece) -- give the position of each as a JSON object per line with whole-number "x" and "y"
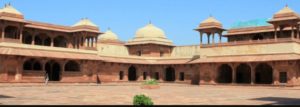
{"x": 32, "y": 40}
{"x": 52, "y": 41}
{"x": 275, "y": 36}
{"x": 213, "y": 38}
{"x": 252, "y": 67}
{"x": 96, "y": 45}
{"x": 3, "y": 32}
{"x": 201, "y": 38}
{"x": 92, "y": 44}
{"x": 18, "y": 76}
{"x": 297, "y": 33}
{"x": 220, "y": 37}
{"x": 292, "y": 32}
{"x": 233, "y": 66}
{"x": 208, "y": 38}
{"x": 21, "y": 34}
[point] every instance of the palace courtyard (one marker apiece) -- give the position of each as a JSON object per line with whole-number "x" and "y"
{"x": 123, "y": 93}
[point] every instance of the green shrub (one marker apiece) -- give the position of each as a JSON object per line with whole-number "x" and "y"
{"x": 142, "y": 100}
{"x": 151, "y": 82}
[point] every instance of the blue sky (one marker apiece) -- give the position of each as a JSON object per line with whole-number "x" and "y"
{"x": 177, "y": 18}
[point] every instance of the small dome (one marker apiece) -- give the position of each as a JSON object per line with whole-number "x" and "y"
{"x": 286, "y": 9}
{"x": 210, "y": 19}
{"x": 85, "y": 22}
{"x": 108, "y": 35}
{"x": 150, "y": 31}
{"x": 150, "y": 34}
{"x": 210, "y": 23}
{"x": 10, "y": 9}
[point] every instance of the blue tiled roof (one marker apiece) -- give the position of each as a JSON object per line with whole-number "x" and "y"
{"x": 250, "y": 23}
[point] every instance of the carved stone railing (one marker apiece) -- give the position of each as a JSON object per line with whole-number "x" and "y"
{"x": 250, "y": 42}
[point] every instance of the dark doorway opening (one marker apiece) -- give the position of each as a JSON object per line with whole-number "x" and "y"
{"x": 283, "y": 77}
{"x": 53, "y": 70}
{"x": 225, "y": 74}
{"x": 121, "y": 75}
{"x": 181, "y": 76}
{"x": 170, "y": 74}
{"x": 132, "y": 74}
{"x": 145, "y": 75}
{"x": 156, "y": 76}
{"x": 243, "y": 74}
{"x": 263, "y": 74}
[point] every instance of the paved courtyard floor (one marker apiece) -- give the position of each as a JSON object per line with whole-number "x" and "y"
{"x": 168, "y": 94}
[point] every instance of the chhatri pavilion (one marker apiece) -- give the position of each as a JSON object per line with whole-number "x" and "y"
{"x": 265, "y": 54}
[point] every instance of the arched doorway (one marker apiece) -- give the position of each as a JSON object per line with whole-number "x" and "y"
{"x": 224, "y": 74}
{"x": 132, "y": 73}
{"x": 27, "y": 38}
{"x": 170, "y": 74}
{"x": 263, "y": 74}
{"x": 32, "y": 65}
{"x": 243, "y": 74}
{"x": 38, "y": 40}
{"x": 11, "y": 32}
{"x": 47, "y": 41}
{"x": 60, "y": 41}
{"x": 53, "y": 69}
{"x": 72, "y": 66}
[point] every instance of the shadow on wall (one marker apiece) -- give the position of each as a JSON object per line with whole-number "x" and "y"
{"x": 5, "y": 96}
{"x": 280, "y": 100}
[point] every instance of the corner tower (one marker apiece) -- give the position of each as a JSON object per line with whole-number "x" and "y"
{"x": 286, "y": 17}
{"x": 210, "y": 26}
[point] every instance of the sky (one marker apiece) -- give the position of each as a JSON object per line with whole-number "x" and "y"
{"x": 177, "y": 18}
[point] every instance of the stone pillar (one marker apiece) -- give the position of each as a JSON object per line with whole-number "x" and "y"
{"x": 96, "y": 42}
{"x": 233, "y": 74}
{"x": 2, "y": 32}
{"x": 208, "y": 38}
{"x": 92, "y": 44}
{"x": 297, "y": 33}
{"x": 18, "y": 76}
{"x": 32, "y": 40}
{"x": 201, "y": 38}
{"x": 292, "y": 32}
{"x": 275, "y": 34}
{"x": 220, "y": 37}
{"x": 52, "y": 41}
{"x": 84, "y": 42}
{"x": 252, "y": 73}
{"x": 69, "y": 44}
{"x": 213, "y": 38}
{"x": 21, "y": 34}
{"x": 275, "y": 75}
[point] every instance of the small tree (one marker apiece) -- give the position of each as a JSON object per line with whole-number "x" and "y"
{"x": 151, "y": 82}
{"x": 142, "y": 100}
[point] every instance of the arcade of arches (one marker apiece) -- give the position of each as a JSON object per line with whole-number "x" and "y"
{"x": 33, "y": 70}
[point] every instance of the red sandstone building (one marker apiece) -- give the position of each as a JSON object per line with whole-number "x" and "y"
{"x": 79, "y": 53}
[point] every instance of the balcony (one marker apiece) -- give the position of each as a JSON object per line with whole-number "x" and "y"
{"x": 250, "y": 42}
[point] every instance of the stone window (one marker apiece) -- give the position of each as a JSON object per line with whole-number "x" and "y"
{"x": 181, "y": 78}
{"x": 121, "y": 75}
{"x": 283, "y": 77}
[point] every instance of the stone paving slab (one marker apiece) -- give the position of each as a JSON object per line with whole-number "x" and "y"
{"x": 123, "y": 93}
